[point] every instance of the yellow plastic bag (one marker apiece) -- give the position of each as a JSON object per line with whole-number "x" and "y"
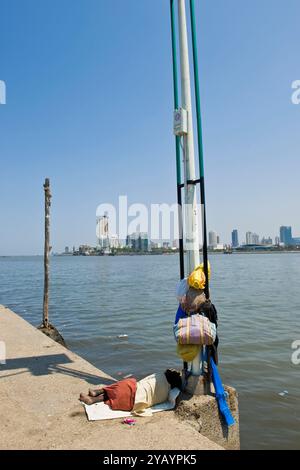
{"x": 197, "y": 278}
{"x": 201, "y": 266}
{"x": 188, "y": 352}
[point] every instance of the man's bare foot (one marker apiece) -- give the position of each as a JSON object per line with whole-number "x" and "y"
{"x": 95, "y": 393}
{"x": 85, "y": 399}
{"x": 90, "y": 400}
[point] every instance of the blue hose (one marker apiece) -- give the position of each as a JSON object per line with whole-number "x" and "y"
{"x": 221, "y": 395}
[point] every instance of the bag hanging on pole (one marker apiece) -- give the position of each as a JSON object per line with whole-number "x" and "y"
{"x": 188, "y": 352}
{"x": 195, "y": 329}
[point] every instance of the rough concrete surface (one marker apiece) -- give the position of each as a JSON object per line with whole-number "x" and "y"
{"x": 202, "y": 413}
{"x": 39, "y": 388}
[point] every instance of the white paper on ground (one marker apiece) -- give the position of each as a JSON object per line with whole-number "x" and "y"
{"x": 100, "y": 411}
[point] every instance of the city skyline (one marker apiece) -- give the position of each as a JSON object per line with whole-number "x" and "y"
{"x": 261, "y": 239}
{"x": 215, "y": 242}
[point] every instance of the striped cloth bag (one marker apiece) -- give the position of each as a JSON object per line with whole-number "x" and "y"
{"x": 195, "y": 329}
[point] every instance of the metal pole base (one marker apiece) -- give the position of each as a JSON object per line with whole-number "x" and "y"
{"x": 199, "y": 385}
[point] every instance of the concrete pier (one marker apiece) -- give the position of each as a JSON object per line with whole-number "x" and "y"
{"x": 39, "y": 388}
{"x": 202, "y": 413}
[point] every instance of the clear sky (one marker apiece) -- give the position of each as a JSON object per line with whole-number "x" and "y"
{"x": 90, "y": 103}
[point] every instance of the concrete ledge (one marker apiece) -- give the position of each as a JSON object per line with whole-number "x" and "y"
{"x": 39, "y": 388}
{"x": 202, "y": 413}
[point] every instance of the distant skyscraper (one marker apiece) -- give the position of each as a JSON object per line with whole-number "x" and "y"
{"x": 139, "y": 241}
{"x": 102, "y": 232}
{"x": 143, "y": 243}
{"x": 114, "y": 241}
{"x": 255, "y": 239}
{"x": 252, "y": 238}
{"x": 249, "y": 239}
{"x": 277, "y": 241}
{"x": 235, "y": 238}
{"x": 286, "y": 235}
{"x": 213, "y": 239}
{"x": 267, "y": 241}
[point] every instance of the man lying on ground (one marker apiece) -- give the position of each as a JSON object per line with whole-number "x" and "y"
{"x": 130, "y": 395}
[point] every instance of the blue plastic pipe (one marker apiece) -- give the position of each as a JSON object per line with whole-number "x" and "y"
{"x": 221, "y": 395}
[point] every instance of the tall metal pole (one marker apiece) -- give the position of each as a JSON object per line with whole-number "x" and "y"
{"x": 178, "y": 163}
{"x": 46, "y": 253}
{"x": 191, "y": 220}
{"x": 200, "y": 145}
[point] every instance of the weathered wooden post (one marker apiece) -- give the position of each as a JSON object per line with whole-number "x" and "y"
{"x": 46, "y": 326}
{"x": 47, "y": 250}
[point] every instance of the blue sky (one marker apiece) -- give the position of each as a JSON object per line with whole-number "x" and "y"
{"x": 90, "y": 102}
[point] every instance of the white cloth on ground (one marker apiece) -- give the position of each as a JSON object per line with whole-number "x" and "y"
{"x": 100, "y": 411}
{"x": 150, "y": 391}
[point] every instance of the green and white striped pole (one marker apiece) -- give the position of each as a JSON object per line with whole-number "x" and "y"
{"x": 200, "y": 145}
{"x": 191, "y": 222}
{"x": 191, "y": 219}
{"x": 178, "y": 153}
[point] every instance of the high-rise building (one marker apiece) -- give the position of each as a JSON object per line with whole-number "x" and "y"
{"x": 102, "y": 232}
{"x": 286, "y": 235}
{"x": 114, "y": 241}
{"x": 266, "y": 241}
{"x": 143, "y": 242}
{"x": 234, "y": 238}
{"x": 213, "y": 239}
{"x": 255, "y": 239}
{"x": 252, "y": 238}
{"x": 249, "y": 238}
{"x": 277, "y": 241}
{"x": 138, "y": 241}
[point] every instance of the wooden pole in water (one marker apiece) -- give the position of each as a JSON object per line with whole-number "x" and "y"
{"x": 46, "y": 326}
{"x": 47, "y": 250}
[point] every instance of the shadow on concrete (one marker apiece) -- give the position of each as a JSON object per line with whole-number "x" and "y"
{"x": 51, "y": 364}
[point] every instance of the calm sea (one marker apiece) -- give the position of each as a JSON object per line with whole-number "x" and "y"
{"x": 96, "y": 299}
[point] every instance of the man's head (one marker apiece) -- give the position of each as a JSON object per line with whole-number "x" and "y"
{"x": 174, "y": 378}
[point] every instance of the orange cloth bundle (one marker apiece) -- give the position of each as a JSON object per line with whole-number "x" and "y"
{"x": 121, "y": 395}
